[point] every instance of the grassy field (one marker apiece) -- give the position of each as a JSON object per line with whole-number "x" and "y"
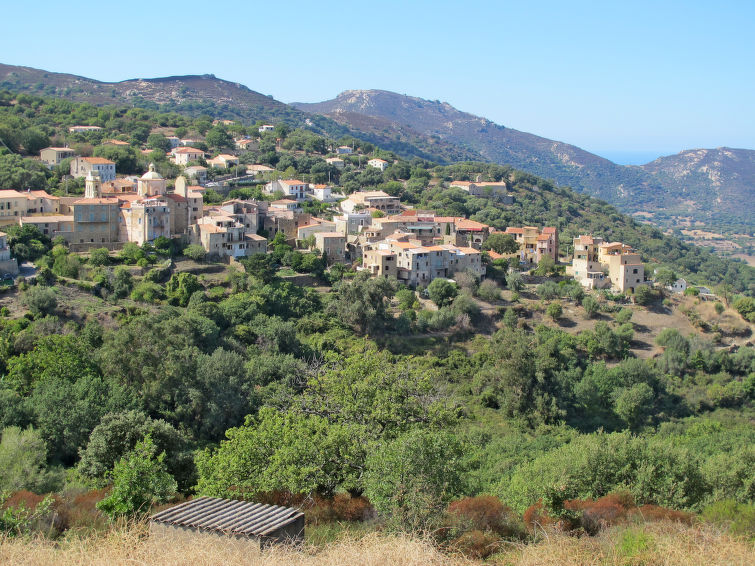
{"x": 650, "y": 544}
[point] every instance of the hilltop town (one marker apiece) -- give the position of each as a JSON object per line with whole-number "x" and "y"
{"x": 197, "y": 311}
{"x": 368, "y": 229}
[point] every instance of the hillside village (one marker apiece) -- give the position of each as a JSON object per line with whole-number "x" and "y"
{"x": 368, "y": 229}
{"x": 260, "y": 313}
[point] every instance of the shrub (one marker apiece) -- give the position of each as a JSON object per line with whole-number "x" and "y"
{"x": 624, "y": 315}
{"x": 477, "y": 544}
{"x": 485, "y": 513}
{"x": 548, "y": 291}
{"x": 40, "y": 300}
{"x": 591, "y": 306}
{"x": 510, "y": 318}
{"x": 554, "y": 311}
{"x": 147, "y": 292}
{"x": 738, "y": 518}
{"x": 195, "y": 252}
{"x": 489, "y": 291}
{"x": 406, "y": 298}
{"x": 140, "y": 480}
{"x": 99, "y": 257}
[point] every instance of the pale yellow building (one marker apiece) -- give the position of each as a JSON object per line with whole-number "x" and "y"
{"x": 401, "y": 257}
{"x": 52, "y": 156}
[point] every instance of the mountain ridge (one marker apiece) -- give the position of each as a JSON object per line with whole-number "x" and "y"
{"x": 709, "y": 186}
{"x": 668, "y": 188}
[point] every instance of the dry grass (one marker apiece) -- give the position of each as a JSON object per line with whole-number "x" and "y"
{"x": 663, "y": 544}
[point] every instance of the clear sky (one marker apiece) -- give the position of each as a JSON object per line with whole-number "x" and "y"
{"x": 630, "y": 80}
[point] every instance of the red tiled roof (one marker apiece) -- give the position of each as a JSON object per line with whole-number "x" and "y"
{"x": 96, "y": 201}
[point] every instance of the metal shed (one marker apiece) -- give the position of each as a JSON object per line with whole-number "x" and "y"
{"x": 258, "y": 523}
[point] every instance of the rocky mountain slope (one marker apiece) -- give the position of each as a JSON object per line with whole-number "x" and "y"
{"x": 714, "y": 187}
{"x": 711, "y": 186}
{"x": 195, "y": 95}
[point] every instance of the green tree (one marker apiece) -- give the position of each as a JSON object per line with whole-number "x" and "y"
{"x": 441, "y": 291}
{"x": 633, "y": 404}
{"x": 665, "y": 276}
{"x": 260, "y": 266}
{"x": 554, "y": 310}
{"x": 406, "y": 299}
{"x": 158, "y": 141}
{"x": 546, "y": 266}
{"x": 411, "y": 479}
{"x": 99, "y": 257}
{"x": 118, "y": 433}
{"x": 40, "y": 300}
{"x": 181, "y": 287}
{"x": 131, "y": 253}
{"x": 34, "y": 140}
{"x": 363, "y": 302}
{"x": 643, "y": 295}
{"x": 140, "y": 480}
{"x": 510, "y": 318}
{"x": 283, "y": 451}
{"x": 123, "y": 282}
{"x": 501, "y": 243}
{"x": 591, "y": 306}
{"x": 218, "y": 137}
{"x": 195, "y": 252}
{"x": 23, "y": 462}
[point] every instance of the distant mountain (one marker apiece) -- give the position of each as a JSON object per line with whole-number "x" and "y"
{"x": 671, "y": 186}
{"x": 565, "y": 164}
{"x": 717, "y": 184}
{"x": 195, "y": 95}
{"x": 714, "y": 187}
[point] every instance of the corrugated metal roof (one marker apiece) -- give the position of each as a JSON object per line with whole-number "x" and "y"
{"x": 229, "y": 516}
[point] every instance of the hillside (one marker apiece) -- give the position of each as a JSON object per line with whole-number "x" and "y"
{"x": 196, "y": 95}
{"x": 669, "y": 187}
{"x": 669, "y": 191}
{"x": 712, "y": 185}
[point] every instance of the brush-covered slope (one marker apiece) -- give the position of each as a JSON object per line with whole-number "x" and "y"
{"x": 710, "y": 186}
{"x": 713, "y": 184}
{"x": 564, "y": 163}
{"x": 195, "y": 95}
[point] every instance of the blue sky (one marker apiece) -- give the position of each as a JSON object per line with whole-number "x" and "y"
{"x": 617, "y": 78}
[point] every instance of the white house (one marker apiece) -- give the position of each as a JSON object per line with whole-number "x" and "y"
{"x": 81, "y": 166}
{"x": 266, "y": 128}
{"x": 183, "y": 155}
{"x": 378, "y": 164}
{"x": 344, "y": 150}
{"x": 291, "y": 188}
{"x": 678, "y": 286}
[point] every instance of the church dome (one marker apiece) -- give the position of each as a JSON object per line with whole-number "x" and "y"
{"x": 152, "y": 174}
